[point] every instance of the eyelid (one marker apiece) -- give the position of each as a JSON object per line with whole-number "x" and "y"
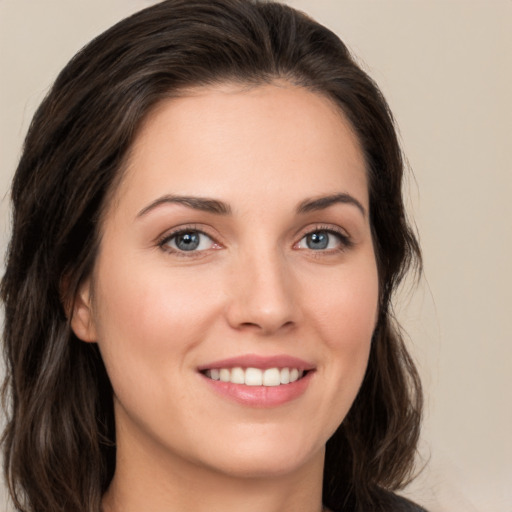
{"x": 344, "y": 237}
{"x": 164, "y": 239}
{"x": 346, "y": 241}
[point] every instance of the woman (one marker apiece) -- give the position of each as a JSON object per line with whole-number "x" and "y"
{"x": 208, "y": 228}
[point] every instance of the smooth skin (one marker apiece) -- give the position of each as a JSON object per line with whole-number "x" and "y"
{"x": 261, "y": 267}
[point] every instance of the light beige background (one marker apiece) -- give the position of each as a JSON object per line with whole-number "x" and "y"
{"x": 446, "y": 69}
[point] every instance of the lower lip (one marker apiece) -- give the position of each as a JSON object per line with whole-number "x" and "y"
{"x": 261, "y": 396}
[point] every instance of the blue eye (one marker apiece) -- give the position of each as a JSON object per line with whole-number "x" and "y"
{"x": 321, "y": 240}
{"x": 188, "y": 241}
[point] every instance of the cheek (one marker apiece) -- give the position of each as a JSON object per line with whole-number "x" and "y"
{"x": 147, "y": 318}
{"x": 347, "y": 307}
{"x": 138, "y": 296}
{"x": 345, "y": 313}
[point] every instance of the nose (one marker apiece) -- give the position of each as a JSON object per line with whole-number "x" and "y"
{"x": 262, "y": 295}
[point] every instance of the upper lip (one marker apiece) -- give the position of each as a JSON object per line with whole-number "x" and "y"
{"x": 262, "y": 362}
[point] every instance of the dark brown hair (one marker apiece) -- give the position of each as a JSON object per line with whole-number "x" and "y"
{"x": 59, "y": 442}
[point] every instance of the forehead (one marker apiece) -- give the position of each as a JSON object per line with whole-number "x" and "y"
{"x": 270, "y": 141}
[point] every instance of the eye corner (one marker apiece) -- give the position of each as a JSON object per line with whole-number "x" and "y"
{"x": 322, "y": 239}
{"x": 187, "y": 241}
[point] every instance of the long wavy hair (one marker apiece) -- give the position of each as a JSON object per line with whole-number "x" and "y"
{"x": 59, "y": 440}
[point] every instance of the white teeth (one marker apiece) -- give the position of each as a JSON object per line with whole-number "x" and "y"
{"x": 237, "y": 376}
{"x": 255, "y": 376}
{"x": 271, "y": 377}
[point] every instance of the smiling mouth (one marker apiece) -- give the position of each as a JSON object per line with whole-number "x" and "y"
{"x": 269, "y": 377}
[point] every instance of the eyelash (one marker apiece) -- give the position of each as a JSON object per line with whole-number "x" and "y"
{"x": 344, "y": 240}
{"x": 164, "y": 240}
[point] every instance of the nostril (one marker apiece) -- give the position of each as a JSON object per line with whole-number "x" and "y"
{"x": 266, "y": 326}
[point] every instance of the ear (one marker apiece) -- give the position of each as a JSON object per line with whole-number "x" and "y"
{"x": 82, "y": 318}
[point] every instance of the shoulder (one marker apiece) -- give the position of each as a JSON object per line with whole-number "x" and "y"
{"x": 401, "y": 504}
{"x": 388, "y": 502}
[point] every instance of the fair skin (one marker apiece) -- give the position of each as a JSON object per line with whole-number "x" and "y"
{"x": 239, "y": 237}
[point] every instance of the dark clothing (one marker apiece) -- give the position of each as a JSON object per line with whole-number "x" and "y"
{"x": 389, "y": 502}
{"x": 403, "y": 505}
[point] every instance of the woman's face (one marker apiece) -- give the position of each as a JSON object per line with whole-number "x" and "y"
{"x": 239, "y": 238}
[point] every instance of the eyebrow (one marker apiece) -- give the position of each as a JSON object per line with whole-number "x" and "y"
{"x": 321, "y": 203}
{"x": 220, "y": 208}
{"x": 197, "y": 203}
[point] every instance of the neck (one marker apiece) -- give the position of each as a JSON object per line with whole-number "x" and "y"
{"x": 172, "y": 484}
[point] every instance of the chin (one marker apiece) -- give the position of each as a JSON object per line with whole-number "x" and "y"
{"x": 267, "y": 458}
